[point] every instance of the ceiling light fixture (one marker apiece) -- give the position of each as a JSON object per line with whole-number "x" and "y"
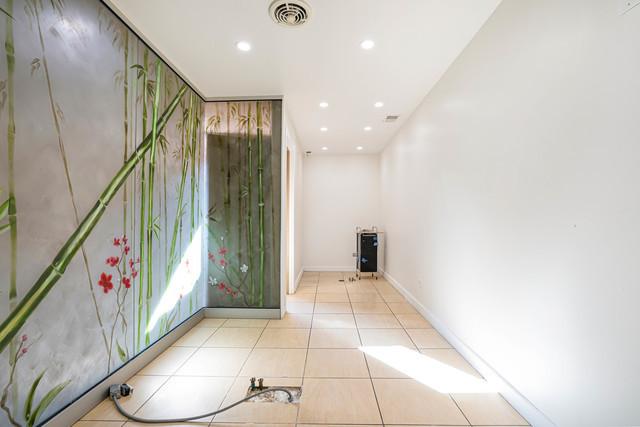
{"x": 325, "y": 148}
{"x": 379, "y": 104}
{"x": 243, "y": 46}
{"x": 367, "y": 44}
{"x": 323, "y": 129}
{"x": 359, "y": 148}
{"x": 367, "y": 128}
{"x": 324, "y": 104}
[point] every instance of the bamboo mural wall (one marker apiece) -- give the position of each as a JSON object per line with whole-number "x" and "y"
{"x": 101, "y": 173}
{"x": 244, "y": 162}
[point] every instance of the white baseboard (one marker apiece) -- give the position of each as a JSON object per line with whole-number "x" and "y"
{"x": 298, "y": 279}
{"x": 242, "y": 313}
{"x": 329, "y": 268}
{"x": 532, "y": 414}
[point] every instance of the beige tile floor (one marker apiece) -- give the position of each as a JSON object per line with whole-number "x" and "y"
{"x": 321, "y": 344}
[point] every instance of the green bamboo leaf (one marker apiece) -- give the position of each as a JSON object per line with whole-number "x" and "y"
{"x": 164, "y": 143}
{"x": 141, "y": 70}
{"x": 155, "y": 226}
{"x": 121, "y": 353}
{"x": 6, "y": 13}
{"x": 28, "y": 403}
{"x": 35, "y": 65}
{"x": 151, "y": 89}
{"x": 58, "y": 6}
{"x": 45, "y": 402}
{"x": 118, "y": 78}
{"x": 28, "y": 10}
{"x": 171, "y": 319}
{"x": 5, "y": 227}
{"x": 59, "y": 112}
{"x": 4, "y": 209}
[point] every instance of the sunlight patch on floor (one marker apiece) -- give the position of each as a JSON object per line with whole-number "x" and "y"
{"x": 428, "y": 371}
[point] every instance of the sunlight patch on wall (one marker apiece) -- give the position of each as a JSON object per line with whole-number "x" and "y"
{"x": 182, "y": 280}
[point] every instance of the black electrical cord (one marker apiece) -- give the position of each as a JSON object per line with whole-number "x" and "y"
{"x": 115, "y": 395}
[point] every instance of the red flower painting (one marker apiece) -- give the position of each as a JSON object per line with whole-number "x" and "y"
{"x": 112, "y": 261}
{"x": 105, "y": 282}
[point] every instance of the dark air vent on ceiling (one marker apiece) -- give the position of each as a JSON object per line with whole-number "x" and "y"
{"x": 290, "y": 13}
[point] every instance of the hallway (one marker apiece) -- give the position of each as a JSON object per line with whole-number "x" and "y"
{"x": 349, "y": 344}
{"x": 187, "y": 194}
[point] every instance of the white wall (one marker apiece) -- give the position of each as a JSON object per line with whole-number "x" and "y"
{"x": 340, "y": 193}
{"x": 511, "y": 204}
{"x": 297, "y": 155}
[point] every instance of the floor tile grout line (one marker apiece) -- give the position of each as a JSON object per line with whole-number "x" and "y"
{"x": 459, "y": 408}
{"x": 239, "y": 372}
{"x": 306, "y": 355}
{"x": 152, "y": 394}
{"x": 168, "y": 377}
{"x": 366, "y": 362}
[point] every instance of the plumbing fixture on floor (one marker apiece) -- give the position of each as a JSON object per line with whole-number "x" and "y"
{"x": 117, "y": 391}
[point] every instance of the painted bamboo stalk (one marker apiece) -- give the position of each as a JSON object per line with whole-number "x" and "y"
{"x": 150, "y": 187}
{"x": 249, "y": 206}
{"x": 50, "y": 276}
{"x": 240, "y": 218}
{"x": 126, "y": 125}
{"x": 133, "y": 182}
{"x": 61, "y": 146}
{"x": 276, "y": 159}
{"x": 165, "y": 227}
{"x": 260, "y": 203}
{"x": 224, "y": 172}
{"x": 11, "y": 145}
{"x": 192, "y": 224}
{"x": 171, "y": 257}
{"x": 201, "y": 146}
{"x": 143, "y": 204}
{"x": 187, "y": 124}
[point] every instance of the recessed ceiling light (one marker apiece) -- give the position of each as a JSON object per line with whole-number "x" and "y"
{"x": 379, "y": 104}
{"x": 367, "y": 44}
{"x": 367, "y": 128}
{"x": 325, "y": 148}
{"x": 323, "y": 129}
{"x": 243, "y": 46}
{"x": 324, "y": 104}
{"x": 359, "y": 148}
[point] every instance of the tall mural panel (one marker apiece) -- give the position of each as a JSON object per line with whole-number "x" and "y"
{"x": 244, "y": 162}
{"x": 101, "y": 220}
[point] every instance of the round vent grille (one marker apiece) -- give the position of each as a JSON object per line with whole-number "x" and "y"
{"x": 290, "y": 13}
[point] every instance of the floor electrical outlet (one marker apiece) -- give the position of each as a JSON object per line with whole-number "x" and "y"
{"x": 276, "y": 396}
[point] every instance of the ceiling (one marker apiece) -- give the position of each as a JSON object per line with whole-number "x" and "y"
{"x": 415, "y": 42}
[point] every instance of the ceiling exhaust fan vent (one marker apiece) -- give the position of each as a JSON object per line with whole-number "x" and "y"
{"x": 391, "y": 119}
{"x": 290, "y": 13}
